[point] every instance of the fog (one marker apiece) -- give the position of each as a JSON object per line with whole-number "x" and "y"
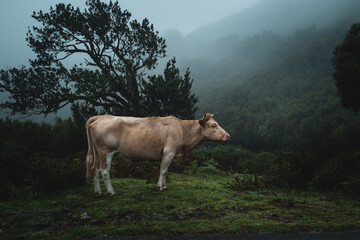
{"x": 205, "y": 31}
{"x": 282, "y": 17}
{"x": 183, "y": 16}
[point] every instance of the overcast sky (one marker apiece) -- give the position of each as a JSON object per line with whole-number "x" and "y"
{"x": 183, "y": 15}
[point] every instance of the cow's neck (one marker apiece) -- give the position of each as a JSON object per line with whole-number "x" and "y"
{"x": 192, "y": 134}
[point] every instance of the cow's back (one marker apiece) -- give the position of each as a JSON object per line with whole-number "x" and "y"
{"x": 137, "y": 138}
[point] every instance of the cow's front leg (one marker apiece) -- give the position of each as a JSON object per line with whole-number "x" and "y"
{"x": 167, "y": 158}
{"x": 97, "y": 183}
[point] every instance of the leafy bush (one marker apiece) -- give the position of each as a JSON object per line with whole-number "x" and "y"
{"x": 340, "y": 174}
{"x": 232, "y": 158}
{"x": 245, "y": 182}
{"x": 41, "y": 156}
{"x": 292, "y": 169}
{"x": 262, "y": 163}
{"x": 51, "y": 173}
{"x": 202, "y": 154}
{"x": 14, "y": 163}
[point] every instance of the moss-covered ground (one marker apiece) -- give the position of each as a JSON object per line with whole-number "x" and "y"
{"x": 195, "y": 203}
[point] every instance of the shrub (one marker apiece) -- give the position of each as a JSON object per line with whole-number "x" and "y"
{"x": 201, "y": 154}
{"x": 51, "y": 173}
{"x": 14, "y": 162}
{"x": 292, "y": 169}
{"x": 232, "y": 158}
{"x": 245, "y": 182}
{"x": 41, "y": 155}
{"x": 341, "y": 174}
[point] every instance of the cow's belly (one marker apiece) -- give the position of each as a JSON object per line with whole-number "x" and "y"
{"x": 140, "y": 154}
{"x": 145, "y": 148}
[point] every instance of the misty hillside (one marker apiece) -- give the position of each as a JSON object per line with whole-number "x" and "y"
{"x": 282, "y": 17}
{"x": 272, "y": 84}
{"x": 287, "y": 101}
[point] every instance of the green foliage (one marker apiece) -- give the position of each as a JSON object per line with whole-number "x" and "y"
{"x": 118, "y": 54}
{"x": 346, "y": 62}
{"x": 170, "y": 94}
{"x": 341, "y": 174}
{"x": 63, "y": 138}
{"x": 53, "y": 174}
{"x": 192, "y": 167}
{"x": 286, "y": 169}
{"x": 245, "y": 182}
{"x": 261, "y": 163}
{"x": 293, "y": 169}
{"x": 234, "y": 159}
{"x": 41, "y": 156}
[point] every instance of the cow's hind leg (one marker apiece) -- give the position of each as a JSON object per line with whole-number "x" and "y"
{"x": 167, "y": 158}
{"x": 97, "y": 183}
{"x": 106, "y": 173}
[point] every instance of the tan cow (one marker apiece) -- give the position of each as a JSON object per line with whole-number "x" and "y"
{"x": 155, "y": 138}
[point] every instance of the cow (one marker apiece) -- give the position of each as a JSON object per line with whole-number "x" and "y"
{"x": 152, "y": 138}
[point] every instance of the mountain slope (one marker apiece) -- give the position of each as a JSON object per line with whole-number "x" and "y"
{"x": 279, "y": 16}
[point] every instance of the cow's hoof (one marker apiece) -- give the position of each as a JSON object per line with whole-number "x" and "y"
{"x": 98, "y": 194}
{"x": 112, "y": 194}
{"x": 162, "y": 189}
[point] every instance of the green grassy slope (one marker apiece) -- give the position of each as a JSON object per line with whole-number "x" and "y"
{"x": 195, "y": 203}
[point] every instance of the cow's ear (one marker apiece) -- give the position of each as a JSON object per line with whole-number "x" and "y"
{"x": 204, "y": 119}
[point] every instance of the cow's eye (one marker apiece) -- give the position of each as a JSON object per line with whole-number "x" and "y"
{"x": 213, "y": 126}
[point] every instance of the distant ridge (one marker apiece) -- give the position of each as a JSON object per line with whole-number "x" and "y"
{"x": 279, "y": 16}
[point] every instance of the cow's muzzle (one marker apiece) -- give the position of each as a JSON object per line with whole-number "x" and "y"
{"x": 226, "y": 137}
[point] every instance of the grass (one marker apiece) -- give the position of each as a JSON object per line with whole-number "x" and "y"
{"x": 195, "y": 203}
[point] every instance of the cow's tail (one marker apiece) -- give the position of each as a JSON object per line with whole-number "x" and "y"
{"x": 90, "y": 157}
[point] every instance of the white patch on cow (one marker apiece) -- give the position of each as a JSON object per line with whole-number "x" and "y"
{"x": 106, "y": 173}
{"x": 97, "y": 182}
{"x": 109, "y": 157}
{"x": 168, "y": 157}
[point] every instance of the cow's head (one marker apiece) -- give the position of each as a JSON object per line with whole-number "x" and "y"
{"x": 211, "y": 129}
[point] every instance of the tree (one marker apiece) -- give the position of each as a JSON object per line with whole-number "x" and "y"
{"x": 346, "y": 62}
{"x": 119, "y": 53}
{"x": 171, "y": 93}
